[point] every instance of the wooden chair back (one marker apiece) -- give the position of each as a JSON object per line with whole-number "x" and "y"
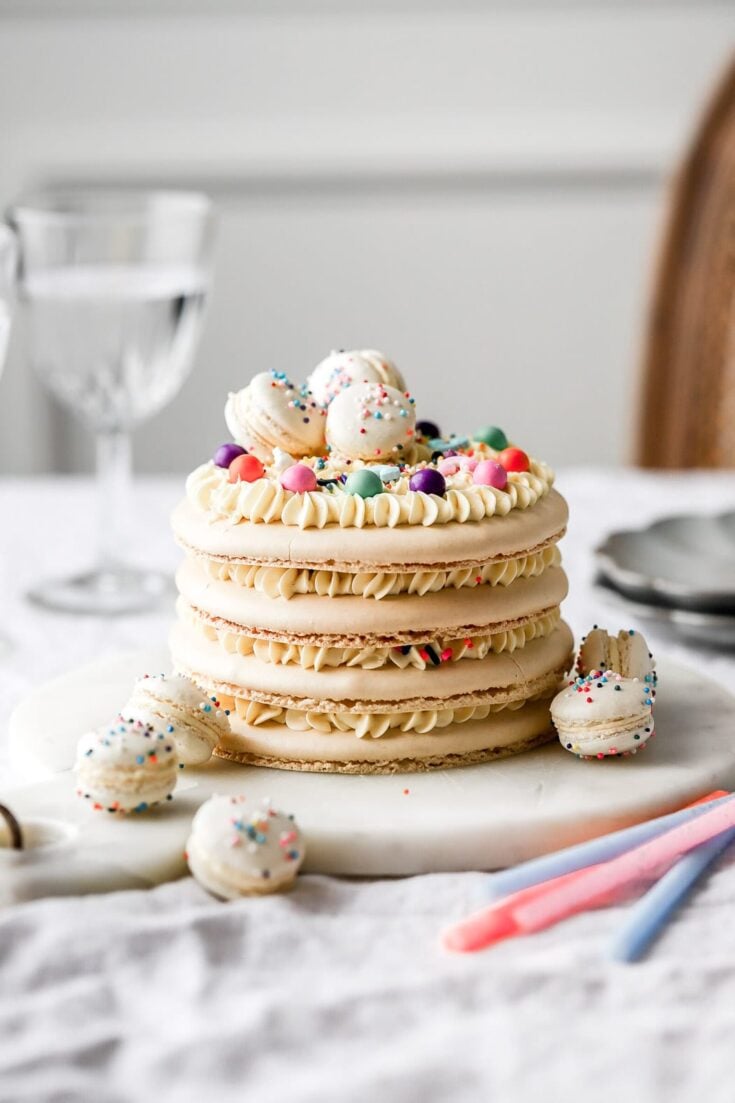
{"x": 688, "y": 400}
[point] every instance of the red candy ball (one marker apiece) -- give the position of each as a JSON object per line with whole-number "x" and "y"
{"x": 246, "y": 469}
{"x": 513, "y": 459}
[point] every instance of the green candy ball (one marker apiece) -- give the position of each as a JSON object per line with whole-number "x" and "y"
{"x": 493, "y": 436}
{"x": 366, "y": 484}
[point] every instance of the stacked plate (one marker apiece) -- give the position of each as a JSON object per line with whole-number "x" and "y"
{"x": 679, "y": 573}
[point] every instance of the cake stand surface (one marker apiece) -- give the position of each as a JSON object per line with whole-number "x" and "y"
{"x": 478, "y": 817}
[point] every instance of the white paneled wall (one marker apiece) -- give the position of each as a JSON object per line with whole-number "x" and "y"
{"x": 475, "y": 188}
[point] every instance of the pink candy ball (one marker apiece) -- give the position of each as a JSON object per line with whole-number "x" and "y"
{"x": 299, "y": 478}
{"x": 490, "y": 473}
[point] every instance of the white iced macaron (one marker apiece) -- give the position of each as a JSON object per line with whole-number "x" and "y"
{"x": 370, "y": 421}
{"x": 272, "y": 412}
{"x": 175, "y": 705}
{"x": 386, "y": 369}
{"x": 344, "y": 368}
{"x": 243, "y": 848}
{"x": 126, "y": 766}
{"x": 626, "y": 654}
{"x": 604, "y": 714}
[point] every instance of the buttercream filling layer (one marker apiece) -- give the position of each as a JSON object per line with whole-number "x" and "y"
{"x": 352, "y": 621}
{"x": 507, "y": 728}
{"x": 284, "y": 582}
{"x": 421, "y": 656}
{"x": 496, "y": 678}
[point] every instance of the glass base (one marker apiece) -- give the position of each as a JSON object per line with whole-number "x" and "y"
{"x": 105, "y": 593}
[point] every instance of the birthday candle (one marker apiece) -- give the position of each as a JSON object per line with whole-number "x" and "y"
{"x": 601, "y": 849}
{"x": 594, "y": 885}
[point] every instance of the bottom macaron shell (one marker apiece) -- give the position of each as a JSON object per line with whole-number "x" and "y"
{"x": 129, "y": 791}
{"x": 616, "y": 743}
{"x": 228, "y": 884}
{"x": 508, "y": 732}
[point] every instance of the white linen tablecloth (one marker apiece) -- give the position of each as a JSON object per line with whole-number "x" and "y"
{"x": 339, "y": 990}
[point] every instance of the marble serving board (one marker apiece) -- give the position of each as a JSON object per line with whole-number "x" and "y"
{"x": 480, "y": 817}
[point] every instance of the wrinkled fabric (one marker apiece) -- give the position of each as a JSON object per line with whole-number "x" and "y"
{"x": 340, "y": 990}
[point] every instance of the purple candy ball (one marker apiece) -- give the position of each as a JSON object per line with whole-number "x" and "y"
{"x": 429, "y": 481}
{"x": 428, "y": 429}
{"x": 226, "y": 453}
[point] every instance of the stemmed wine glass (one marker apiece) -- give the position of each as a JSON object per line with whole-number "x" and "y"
{"x": 113, "y": 284}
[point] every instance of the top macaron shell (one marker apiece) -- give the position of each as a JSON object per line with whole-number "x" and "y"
{"x": 338, "y": 371}
{"x": 127, "y": 744}
{"x": 272, "y": 412}
{"x": 597, "y": 702}
{"x": 370, "y": 421}
{"x": 627, "y": 654}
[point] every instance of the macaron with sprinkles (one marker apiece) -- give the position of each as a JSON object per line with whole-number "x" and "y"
{"x": 240, "y": 847}
{"x": 192, "y": 718}
{"x": 371, "y": 421}
{"x": 607, "y": 709}
{"x": 126, "y": 766}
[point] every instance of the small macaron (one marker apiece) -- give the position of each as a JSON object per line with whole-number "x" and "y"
{"x": 126, "y": 766}
{"x": 298, "y": 478}
{"x": 427, "y": 480}
{"x": 243, "y": 848}
{"x": 174, "y": 704}
{"x": 603, "y": 715}
{"x": 490, "y": 473}
{"x": 272, "y": 412}
{"x": 370, "y": 421}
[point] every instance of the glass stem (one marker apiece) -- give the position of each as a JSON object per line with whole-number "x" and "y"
{"x": 113, "y": 491}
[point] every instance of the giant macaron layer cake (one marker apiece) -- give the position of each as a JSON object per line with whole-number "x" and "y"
{"x": 364, "y": 595}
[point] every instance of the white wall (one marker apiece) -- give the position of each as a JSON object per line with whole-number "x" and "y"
{"x": 473, "y": 187}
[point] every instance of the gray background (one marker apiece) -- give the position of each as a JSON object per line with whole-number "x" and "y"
{"x": 474, "y": 188}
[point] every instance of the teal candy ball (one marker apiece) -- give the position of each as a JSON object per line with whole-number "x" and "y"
{"x": 492, "y": 436}
{"x": 364, "y": 483}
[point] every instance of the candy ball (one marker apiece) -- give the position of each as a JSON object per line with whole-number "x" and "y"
{"x": 428, "y": 481}
{"x": 492, "y": 436}
{"x": 428, "y": 429}
{"x": 449, "y": 465}
{"x": 467, "y": 463}
{"x": 490, "y": 473}
{"x": 246, "y": 469}
{"x": 513, "y": 459}
{"x": 298, "y": 478}
{"x": 226, "y": 453}
{"x": 365, "y": 484}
